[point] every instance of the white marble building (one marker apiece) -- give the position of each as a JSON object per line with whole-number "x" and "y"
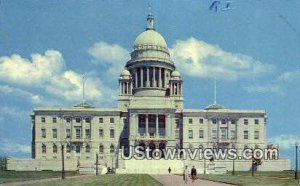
{"x": 150, "y": 113}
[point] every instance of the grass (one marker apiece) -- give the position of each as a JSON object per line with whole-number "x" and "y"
{"x": 14, "y": 176}
{"x": 260, "y": 178}
{"x": 107, "y": 180}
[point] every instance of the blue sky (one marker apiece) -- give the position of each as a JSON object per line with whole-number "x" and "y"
{"x": 253, "y": 50}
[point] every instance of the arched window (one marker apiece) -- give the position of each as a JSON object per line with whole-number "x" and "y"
{"x": 87, "y": 148}
{"x": 54, "y": 148}
{"x": 112, "y": 148}
{"x": 43, "y": 148}
{"x": 101, "y": 149}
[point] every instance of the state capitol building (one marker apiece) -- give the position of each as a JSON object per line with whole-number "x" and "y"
{"x": 150, "y": 113}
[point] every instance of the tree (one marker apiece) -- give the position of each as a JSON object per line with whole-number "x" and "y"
{"x": 3, "y": 163}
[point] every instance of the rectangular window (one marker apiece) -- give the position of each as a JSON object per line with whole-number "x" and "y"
{"x": 68, "y": 119}
{"x": 43, "y": 133}
{"x": 54, "y": 133}
{"x": 256, "y": 121}
{"x": 125, "y": 120}
{"x": 43, "y": 119}
{"x": 246, "y": 121}
{"x": 214, "y": 134}
{"x": 201, "y": 134}
{"x": 100, "y": 120}
{"x": 223, "y": 134}
{"x": 78, "y": 133}
{"x": 77, "y": 148}
{"x": 87, "y": 120}
{"x": 214, "y": 121}
{"x": 201, "y": 120}
{"x": 78, "y": 120}
{"x": 54, "y": 120}
{"x": 111, "y": 120}
{"x": 68, "y": 133}
{"x": 177, "y": 134}
{"x": 233, "y": 121}
{"x": 191, "y": 121}
{"x": 101, "y": 134}
{"x": 190, "y": 134}
{"x": 246, "y": 134}
{"x": 87, "y": 134}
{"x": 177, "y": 123}
{"x": 223, "y": 121}
{"x": 232, "y": 134}
{"x": 256, "y": 134}
{"x": 112, "y": 133}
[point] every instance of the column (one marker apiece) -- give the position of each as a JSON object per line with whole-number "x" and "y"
{"x": 148, "y": 80}
{"x": 153, "y": 78}
{"x": 156, "y": 125}
{"x": 159, "y": 77}
{"x": 142, "y": 75}
{"x": 171, "y": 89}
{"x": 120, "y": 88}
{"x": 136, "y": 78}
{"x": 126, "y": 85}
{"x": 165, "y": 77}
{"x": 146, "y": 116}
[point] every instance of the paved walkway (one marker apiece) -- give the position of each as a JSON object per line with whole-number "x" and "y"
{"x": 176, "y": 180}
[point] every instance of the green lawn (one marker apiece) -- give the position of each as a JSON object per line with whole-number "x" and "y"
{"x": 107, "y": 180}
{"x": 260, "y": 178}
{"x": 13, "y": 176}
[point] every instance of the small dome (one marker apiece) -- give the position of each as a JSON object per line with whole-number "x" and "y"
{"x": 150, "y": 37}
{"x": 175, "y": 73}
{"x": 125, "y": 73}
{"x": 214, "y": 106}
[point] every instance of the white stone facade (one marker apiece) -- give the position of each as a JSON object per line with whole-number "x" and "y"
{"x": 150, "y": 113}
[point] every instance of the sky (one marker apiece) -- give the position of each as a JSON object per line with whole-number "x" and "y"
{"x": 252, "y": 49}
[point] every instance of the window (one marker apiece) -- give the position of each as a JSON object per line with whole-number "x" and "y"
{"x": 54, "y": 120}
{"x": 101, "y": 149}
{"x": 256, "y": 134}
{"x": 54, "y": 133}
{"x": 112, "y": 133}
{"x": 233, "y": 121}
{"x": 125, "y": 120}
{"x": 201, "y": 120}
{"x": 44, "y": 148}
{"x": 78, "y": 133}
{"x": 43, "y": 133}
{"x": 43, "y": 119}
{"x": 232, "y": 134}
{"x": 223, "y": 121}
{"x": 87, "y": 120}
{"x": 112, "y": 149}
{"x": 78, "y": 120}
{"x": 223, "y": 134}
{"x": 246, "y": 121}
{"x": 111, "y": 120}
{"x": 87, "y": 133}
{"x": 214, "y": 134}
{"x": 246, "y": 134}
{"x": 68, "y": 133}
{"x": 177, "y": 123}
{"x": 68, "y": 148}
{"x": 201, "y": 134}
{"x": 100, "y": 120}
{"x": 256, "y": 121}
{"x": 176, "y": 134}
{"x": 68, "y": 119}
{"x": 190, "y": 121}
{"x": 77, "y": 148}
{"x": 87, "y": 148}
{"x": 190, "y": 134}
{"x": 101, "y": 134}
{"x": 54, "y": 148}
{"x": 214, "y": 121}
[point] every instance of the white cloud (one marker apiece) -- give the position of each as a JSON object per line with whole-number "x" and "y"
{"x": 46, "y": 73}
{"x": 111, "y": 56}
{"x": 285, "y": 141}
{"x": 278, "y": 85}
{"x": 200, "y": 59}
{"x": 12, "y": 147}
